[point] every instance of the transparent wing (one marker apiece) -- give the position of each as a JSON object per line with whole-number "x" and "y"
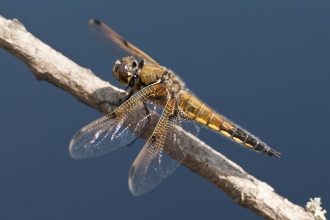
{"x": 118, "y": 45}
{"x": 104, "y": 135}
{"x": 114, "y": 130}
{"x": 163, "y": 152}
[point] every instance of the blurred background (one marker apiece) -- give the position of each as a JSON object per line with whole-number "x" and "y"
{"x": 264, "y": 65}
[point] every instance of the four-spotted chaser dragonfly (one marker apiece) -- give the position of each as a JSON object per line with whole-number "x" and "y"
{"x": 152, "y": 87}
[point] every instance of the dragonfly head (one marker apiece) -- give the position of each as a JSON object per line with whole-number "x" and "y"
{"x": 124, "y": 69}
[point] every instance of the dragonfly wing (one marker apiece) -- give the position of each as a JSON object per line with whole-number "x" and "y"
{"x": 114, "y": 130}
{"x": 116, "y": 43}
{"x": 163, "y": 152}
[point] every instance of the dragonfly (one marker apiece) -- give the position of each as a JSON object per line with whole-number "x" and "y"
{"x": 154, "y": 93}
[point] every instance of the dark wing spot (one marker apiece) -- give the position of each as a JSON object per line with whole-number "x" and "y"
{"x": 97, "y": 22}
{"x": 112, "y": 115}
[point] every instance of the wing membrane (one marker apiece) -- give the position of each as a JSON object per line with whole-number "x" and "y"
{"x": 163, "y": 152}
{"x": 116, "y": 43}
{"x": 114, "y": 130}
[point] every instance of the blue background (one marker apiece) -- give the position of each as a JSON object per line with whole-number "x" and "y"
{"x": 263, "y": 64}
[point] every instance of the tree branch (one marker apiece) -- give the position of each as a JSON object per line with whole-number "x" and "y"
{"x": 51, "y": 66}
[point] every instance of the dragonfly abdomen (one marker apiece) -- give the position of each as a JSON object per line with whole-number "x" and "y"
{"x": 200, "y": 112}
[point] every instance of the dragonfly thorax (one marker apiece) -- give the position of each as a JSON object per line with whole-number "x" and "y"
{"x": 171, "y": 82}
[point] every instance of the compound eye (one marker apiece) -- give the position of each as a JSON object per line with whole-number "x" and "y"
{"x": 122, "y": 73}
{"x": 122, "y": 69}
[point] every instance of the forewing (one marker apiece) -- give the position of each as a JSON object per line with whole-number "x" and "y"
{"x": 116, "y": 43}
{"x": 163, "y": 152}
{"x": 104, "y": 135}
{"x": 114, "y": 130}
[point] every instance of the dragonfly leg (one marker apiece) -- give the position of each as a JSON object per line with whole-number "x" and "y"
{"x": 120, "y": 102}
{"x": 145, "y": 126}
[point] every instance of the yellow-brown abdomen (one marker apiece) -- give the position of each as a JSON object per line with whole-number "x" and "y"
{"x": 200, "y": 112}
